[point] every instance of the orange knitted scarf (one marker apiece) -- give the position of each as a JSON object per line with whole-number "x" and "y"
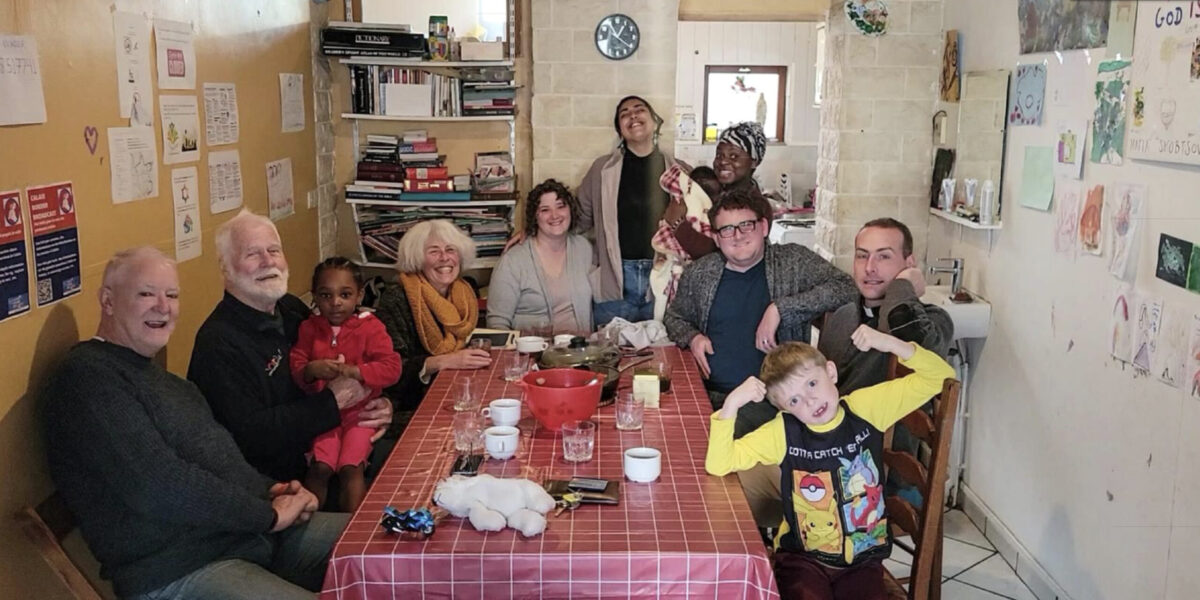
{"x": 443, "y": 324}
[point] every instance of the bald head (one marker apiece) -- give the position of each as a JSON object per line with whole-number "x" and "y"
{"x": 139, "y": 300}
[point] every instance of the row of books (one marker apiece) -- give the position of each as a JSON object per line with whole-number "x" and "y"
{"x": 342, "y": 38}
{"x": 488, "y": 99}
{"x": 394, "y": 91}
{"x": 380, "y": 227}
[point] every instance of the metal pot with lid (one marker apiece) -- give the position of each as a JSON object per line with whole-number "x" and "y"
{"x": 579, "y": 353}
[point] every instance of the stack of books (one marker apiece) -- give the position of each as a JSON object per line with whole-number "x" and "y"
{"x": 408, "y": 168}
{"x": 343, "y": 38}
{"x": 488, "y": 98}
{"x": 381, "y": 227}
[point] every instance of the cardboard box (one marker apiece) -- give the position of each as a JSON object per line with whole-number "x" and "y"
{"x": 481, "y": 50}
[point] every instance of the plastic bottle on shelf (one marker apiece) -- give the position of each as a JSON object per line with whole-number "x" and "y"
{"x": 987, "y": 203}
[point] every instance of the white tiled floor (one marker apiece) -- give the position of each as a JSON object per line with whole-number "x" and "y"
{"x": 972, "y": 568}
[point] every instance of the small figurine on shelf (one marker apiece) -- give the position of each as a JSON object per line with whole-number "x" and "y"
{"x": 418, "y": 520}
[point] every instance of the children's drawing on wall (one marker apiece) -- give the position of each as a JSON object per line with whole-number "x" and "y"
{"x": 1037, "y": 177}
{"x": 1091, "y": 222}
{"x": 1048, "y": 25}
{"x": 1170, "y": 355}
{"x": 1124, "y": 204}
{"x": 950, "y": 67}
{"x": 1028, "y": 96}
{"x": 1108, "y": 124}
{"x": 1066, "y": 202}
{"x": 1146, "y": 324}
{"x": 1139, "y": 107}
{"x": 1165, "y": 76}
{"x": 1193, "y": 278}
{"x": 1121, "y": 342}
{"x": 1193, "y": 358}
{"x": 1174, "y": 259}
{"x": 1068, "y": 148}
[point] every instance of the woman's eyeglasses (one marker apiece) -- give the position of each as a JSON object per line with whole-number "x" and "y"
{"x": 744, "y": 227}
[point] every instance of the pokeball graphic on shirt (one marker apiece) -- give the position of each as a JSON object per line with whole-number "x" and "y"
{"x": 812, "y": 488}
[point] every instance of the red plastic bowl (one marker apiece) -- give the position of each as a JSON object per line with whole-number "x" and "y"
{"x": 556, "y": 396}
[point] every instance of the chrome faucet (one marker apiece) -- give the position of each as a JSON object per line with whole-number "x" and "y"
{"x": 955, "y": 269}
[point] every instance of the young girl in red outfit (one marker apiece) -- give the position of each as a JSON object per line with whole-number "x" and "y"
{"x": 341, "y": 341}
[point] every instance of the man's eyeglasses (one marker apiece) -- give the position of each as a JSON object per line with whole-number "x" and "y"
{"x": 744, "y": 227}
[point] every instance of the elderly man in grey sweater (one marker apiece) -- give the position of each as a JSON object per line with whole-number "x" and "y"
{"x": 163, "y": 496}
{"x": 733, "y": 307}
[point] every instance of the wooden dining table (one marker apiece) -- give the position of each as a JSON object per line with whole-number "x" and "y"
{"x": 686, "y": 535}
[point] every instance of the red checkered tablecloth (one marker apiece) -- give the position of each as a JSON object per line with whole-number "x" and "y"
{"x": 686, "y": 535}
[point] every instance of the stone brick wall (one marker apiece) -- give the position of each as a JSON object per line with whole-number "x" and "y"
{"x": 875, "y": 149}
{"x": 326, "y": 192}
{"x": 576, "y": 89}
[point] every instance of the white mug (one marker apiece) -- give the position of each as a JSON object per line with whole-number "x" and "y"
{"x": 563, "y": 339}
{"x": 530, "y": 344}
{"x": 501, "y": 441}
{"x": 503, "y": 411}
{"x": 642, "y": 464}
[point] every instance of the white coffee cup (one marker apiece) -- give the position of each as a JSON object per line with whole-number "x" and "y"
{"x": 563, "y": 339}
{"x": 643, "y": 464}
{"x": 501, "y": 441}
{"x": 530, "y": 344}
{"x": 503, "y": 411}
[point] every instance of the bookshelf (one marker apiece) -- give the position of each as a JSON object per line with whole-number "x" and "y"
{"x": 421, "y": 63}
{"x": 356, "y": 116}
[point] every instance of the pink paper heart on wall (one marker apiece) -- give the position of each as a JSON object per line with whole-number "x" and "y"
{"x": 91, "y": 137}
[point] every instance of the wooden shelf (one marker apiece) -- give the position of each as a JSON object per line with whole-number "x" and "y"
{"x": 363, "y": 117}
{"x": 423, "y": 64}
{"x": 964, "y": 222}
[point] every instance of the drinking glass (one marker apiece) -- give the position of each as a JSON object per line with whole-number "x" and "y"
{"x": 468, "y": 432}
{"x": 467, "y": 393}
{"x": 480, "y": 343}
{"x": 579, "y": 440}
{"x": 630, "y": 410}
{"x": 513, "y": 365}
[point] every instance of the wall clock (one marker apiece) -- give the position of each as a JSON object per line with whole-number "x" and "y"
{"x": 617, "y": 36}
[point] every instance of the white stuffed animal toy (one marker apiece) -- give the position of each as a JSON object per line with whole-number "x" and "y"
{"x": 491, "y": 504}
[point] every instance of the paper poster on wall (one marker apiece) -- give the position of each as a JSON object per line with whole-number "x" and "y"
{"x": 1124, "y": 304}
{"x": 686, "y": 127}
{"x": 1091, "y": 221}
{"x": 291, "y": 101}
{"x": 1068, "y": 148}
{"x": 14, "y": 261}
{"x": 21, "y": 99}
{"x": 1166, "y": 119}
{"x": 185, "y": 193}
{"x": 1048, "y": 25}
{"x": 55, "y": 241}
{"x": 1125, "y": 201}
{"x": 180, "y": 129}
{"x": 1193, "y": 278}
{"x": 135, "y": 92}
{"x": 1108, "y": 122}
{"x": 1121, "y": 20}
{"x": 1037, "y": 177}
{"x": 176, "y": 55}
{"x": 1174, "y": 260}
{"x": 280, "y": 195}
{"x": 220, "y": 114}
{"x": 133, "y": 163}
{"x": 1147, "y": 321}
{"x": 1028, "y": 95}
{"x": 1192, "y": 376}
{"x": 224, "y": 181}
{"x": 1067, "y": 195}
{"x": 1170, "y": 356}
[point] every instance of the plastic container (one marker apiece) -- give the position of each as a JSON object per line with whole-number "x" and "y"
{"x": 556, "y": 396}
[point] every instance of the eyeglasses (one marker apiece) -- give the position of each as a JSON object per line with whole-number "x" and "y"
{"x": 744, "y": 227}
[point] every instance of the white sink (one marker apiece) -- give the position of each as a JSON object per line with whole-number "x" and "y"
{"x": 970, "y": 319}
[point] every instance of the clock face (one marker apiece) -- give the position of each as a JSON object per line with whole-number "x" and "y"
{"x": 617, "y": 36}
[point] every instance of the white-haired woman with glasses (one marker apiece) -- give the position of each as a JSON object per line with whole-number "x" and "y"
{"x": 431, "y": 310}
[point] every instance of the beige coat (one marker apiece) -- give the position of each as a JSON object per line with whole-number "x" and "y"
{"x": 598, "y": 214}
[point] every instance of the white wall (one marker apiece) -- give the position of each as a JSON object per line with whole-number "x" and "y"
{"x": 1093, "y": 469}
{"x": 789, "y": 44}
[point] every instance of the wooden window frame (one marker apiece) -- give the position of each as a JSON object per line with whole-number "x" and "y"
{"x": 781, "y": 121}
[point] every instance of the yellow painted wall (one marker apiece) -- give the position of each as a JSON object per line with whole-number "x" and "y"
{"x": 760, "y": 10}
{"x": 248, "y": 42}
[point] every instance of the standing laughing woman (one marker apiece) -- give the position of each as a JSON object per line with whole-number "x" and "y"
{"x": 621, "y": 201}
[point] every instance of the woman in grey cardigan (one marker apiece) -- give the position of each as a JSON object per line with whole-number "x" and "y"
{"x": 544, "y": 279}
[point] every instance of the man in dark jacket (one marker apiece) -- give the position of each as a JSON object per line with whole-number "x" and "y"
{"x": 163, "y": 497}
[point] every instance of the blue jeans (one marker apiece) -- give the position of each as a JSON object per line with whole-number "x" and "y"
{"x": 286, "y": 565}
{"x": 637, "y": 304}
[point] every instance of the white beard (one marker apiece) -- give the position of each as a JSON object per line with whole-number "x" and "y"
{"x": 268, "y": 291}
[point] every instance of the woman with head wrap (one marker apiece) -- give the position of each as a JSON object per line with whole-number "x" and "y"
{"x": 621, "y": 201}
{"x": 740, "y": 150}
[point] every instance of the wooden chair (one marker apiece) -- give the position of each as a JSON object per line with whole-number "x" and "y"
{"x": 924, "y": 525}
{"x": 46, "y": 526}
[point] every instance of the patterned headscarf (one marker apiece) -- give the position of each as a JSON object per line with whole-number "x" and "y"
{"x": 748, "y": 136}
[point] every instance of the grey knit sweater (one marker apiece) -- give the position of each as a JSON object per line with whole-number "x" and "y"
{"x": 802, "y": 285}
{"x": 159, "y": 488}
